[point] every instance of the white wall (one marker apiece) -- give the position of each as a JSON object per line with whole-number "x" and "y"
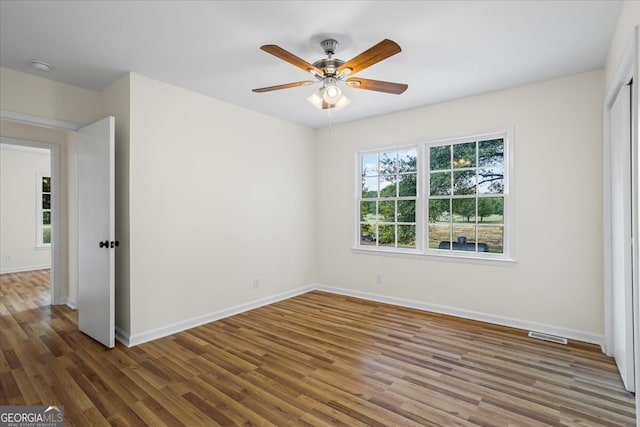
{"x": 19, "y": 170}
{"x": 219, "y": 195}
{"x": 39, "y": 96}
{"x": 556, "y": 284}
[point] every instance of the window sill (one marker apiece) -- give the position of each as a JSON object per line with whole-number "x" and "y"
{"x": 448, "y": 257}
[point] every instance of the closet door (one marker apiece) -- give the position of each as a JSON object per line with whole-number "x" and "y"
{"x": 622, "y": 232}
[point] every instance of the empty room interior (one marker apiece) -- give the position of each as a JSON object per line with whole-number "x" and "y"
{"x": 307, "y": 213}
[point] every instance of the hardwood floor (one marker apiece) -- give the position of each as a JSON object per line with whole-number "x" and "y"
{"x": 316, "y": 359}
{"x": 25, "y": 290}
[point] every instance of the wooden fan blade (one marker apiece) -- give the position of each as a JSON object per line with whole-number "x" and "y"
{"x": 284, "y": 86}
{"x": 289, "y": 57}
{"x": 373, "y": 55}
{"x": 377, "y": 85}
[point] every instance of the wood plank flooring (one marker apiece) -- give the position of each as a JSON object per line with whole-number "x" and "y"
{"x": 24, "y": 291}
{"x": 314, "y": 360}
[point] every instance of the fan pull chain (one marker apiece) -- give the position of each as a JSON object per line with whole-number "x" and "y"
{"x": 329, "y": 110}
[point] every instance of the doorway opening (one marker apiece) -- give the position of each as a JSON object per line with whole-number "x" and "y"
{"x": 31, "y": 217}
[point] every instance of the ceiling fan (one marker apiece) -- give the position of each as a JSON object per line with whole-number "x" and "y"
{"x": 332, "y": 72}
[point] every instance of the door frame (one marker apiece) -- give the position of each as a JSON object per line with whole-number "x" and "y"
{"x": 626, "y": 71}
{"x": 57, "y": 298}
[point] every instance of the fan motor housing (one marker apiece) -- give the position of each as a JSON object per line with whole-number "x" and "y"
{"x": 328, "y": 65}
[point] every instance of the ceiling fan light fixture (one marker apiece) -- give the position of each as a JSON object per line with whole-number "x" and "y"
{"x": 316, "y": 99}
{"x": 332, "y": 72}
{"x": 331, "y": 93}
{"x": 343, "y": 102}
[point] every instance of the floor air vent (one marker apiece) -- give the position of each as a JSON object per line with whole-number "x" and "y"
{"x": 548, "y": 337}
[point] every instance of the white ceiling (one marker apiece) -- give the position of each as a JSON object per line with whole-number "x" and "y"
{"x": 450, "y": 49}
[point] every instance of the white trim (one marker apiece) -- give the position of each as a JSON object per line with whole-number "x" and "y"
{"x": 38, "y": 121}
{"x": 24, "y": 148}
{"x": 66, "y": 301}
{"x": 446, "y": 256}
{"x": 122, "y": 336}
{"x": 25, "y": 268}
{"x": 471, "y": 315}
{"x": 627, "y": 70}
{"x": 132, "y": 340}
{"x": 129, "y": 340}
{"x": 622, "y": 76}
{"x": 635, "y": 130}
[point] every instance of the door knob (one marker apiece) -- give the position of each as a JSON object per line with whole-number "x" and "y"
{"x": 115, "y": 244}
{"x": 104, "y": 244}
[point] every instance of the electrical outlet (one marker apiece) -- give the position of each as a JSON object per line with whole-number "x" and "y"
{"x": 379, "y": 278}
{"x": 256, "y": 283}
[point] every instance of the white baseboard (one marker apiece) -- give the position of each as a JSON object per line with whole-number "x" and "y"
{"x": 66, "y": 301}
{"x": 122, "y": 336}
{"x": 22, "y": 269}
{"x": 471, "y": 315}
{"x": 132, "y": 340}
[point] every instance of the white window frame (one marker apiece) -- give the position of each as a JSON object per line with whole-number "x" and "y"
{"x": 418, "y": 223}
{"x": 40, "y": 211}
{"x": 422, "y": 249}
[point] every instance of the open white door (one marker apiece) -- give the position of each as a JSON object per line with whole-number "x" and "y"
{"x": 622, "y": 232}
{"x": 95, "y": 165}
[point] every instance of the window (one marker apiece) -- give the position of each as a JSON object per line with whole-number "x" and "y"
{"x": 388, "y": 198}
{"x": 466, "y": 196}
{"x": 462, "y": 210}
{"x": 44, "y": 211}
